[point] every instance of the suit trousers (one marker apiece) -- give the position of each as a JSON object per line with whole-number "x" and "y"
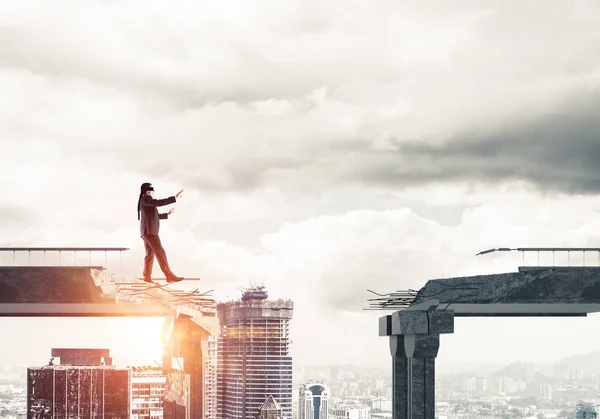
{"x": 154, "y": 248}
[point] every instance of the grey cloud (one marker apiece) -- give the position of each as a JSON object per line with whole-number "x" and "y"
{"x": 176, "y": 72}
{"x": 244, "y": 174}
{"x": 256, "y": 79}
{"x": 247, "y": 173}
{"x": 560, "y": 152}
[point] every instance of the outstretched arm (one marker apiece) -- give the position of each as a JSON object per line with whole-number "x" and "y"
{"x": 148, "y": 201}
{"x": 166, "y": 214}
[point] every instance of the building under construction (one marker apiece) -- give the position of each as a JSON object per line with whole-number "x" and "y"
{"x": 254, "y": 361}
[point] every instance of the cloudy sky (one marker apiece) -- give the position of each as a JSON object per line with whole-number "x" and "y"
{"x": 325, "y": 148}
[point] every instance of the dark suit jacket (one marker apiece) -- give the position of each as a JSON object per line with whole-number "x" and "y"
{"x": 150, "y": 218}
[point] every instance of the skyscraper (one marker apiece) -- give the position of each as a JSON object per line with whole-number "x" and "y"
{"x": 83, "y": 386}
{"x": 210, "y": 377}
{"x": 334, "y": 375}
{"x": 147, "y": 391}
{"x": 545, "y": 392}
{"x": 253, "y": 358}
{"x": 313, "y": 403}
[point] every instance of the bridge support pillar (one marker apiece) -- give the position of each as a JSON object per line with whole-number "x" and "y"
{"x": 414, "y": 342}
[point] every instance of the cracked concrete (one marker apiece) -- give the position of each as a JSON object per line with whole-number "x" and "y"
{"x": 48, "y": 285}
{"x": 58, "y": 291}
{"x": 581, "y": 286}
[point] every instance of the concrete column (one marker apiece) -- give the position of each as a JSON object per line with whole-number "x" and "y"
{"x": 414, "y": 343}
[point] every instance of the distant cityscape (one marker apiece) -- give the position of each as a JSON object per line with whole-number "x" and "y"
{"x": 516, "y": 391}
{"x": 317, "y": 392}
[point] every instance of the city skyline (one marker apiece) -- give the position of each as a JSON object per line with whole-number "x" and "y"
{"x": 324, "y": 148}
{"x": 517, "y": 384}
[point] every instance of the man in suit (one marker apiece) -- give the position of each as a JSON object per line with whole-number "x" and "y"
{"x": 149, "y": 227}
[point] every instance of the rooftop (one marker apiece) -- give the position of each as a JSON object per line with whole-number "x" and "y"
{"x": 270, "y": 404}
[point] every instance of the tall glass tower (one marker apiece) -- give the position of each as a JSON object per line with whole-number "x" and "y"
{"x": 253, "y": 355}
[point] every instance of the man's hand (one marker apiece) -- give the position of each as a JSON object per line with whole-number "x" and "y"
{"x": 171, "y": 211}
{"x": 179, "y": 194}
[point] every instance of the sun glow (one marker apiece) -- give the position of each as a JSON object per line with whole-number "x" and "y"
{"x": 146, "y": 339}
